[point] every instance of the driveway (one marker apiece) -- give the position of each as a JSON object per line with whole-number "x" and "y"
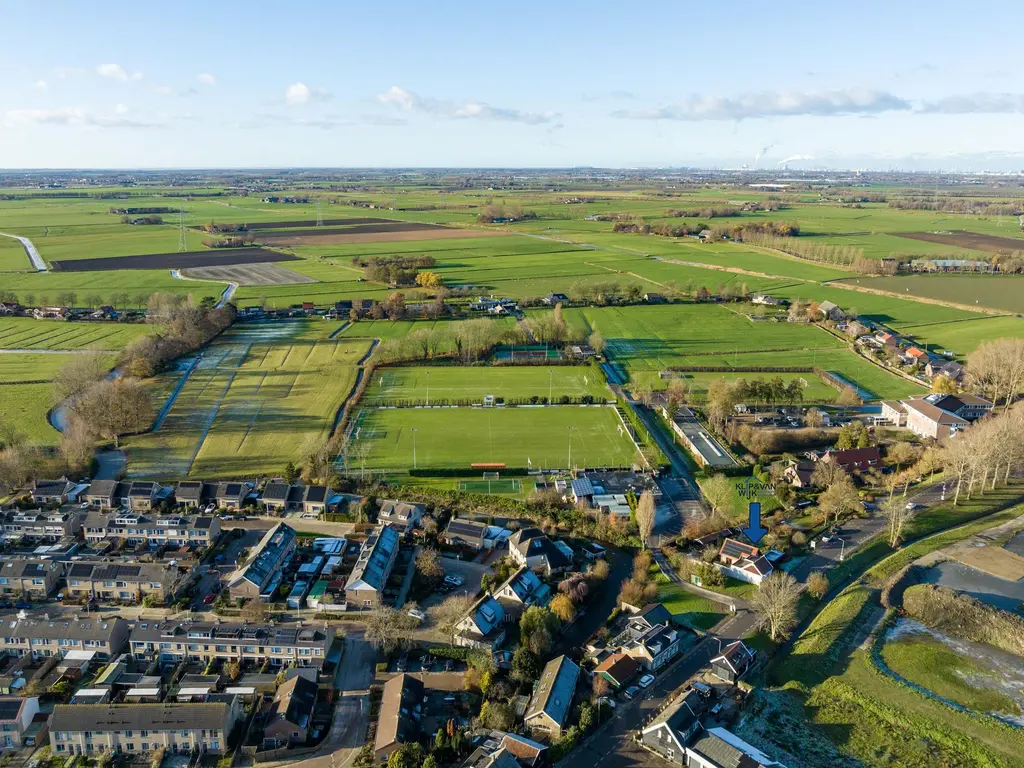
{"x": 472, "y": 572}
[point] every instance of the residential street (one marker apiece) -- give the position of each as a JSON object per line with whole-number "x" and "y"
{"x": 352, "y": 711}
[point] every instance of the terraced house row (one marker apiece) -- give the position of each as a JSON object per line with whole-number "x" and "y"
{"x": 169, "y": 642}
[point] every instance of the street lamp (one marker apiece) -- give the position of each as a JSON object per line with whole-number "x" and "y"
{"x": 414, "y": 431}
{"x": 842, "y": 549}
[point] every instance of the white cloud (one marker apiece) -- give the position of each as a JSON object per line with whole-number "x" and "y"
{"x": 66, "y": 72}
{"x": 119, "y": 117}
{"x": 399, "y": 97}
{"x": 40, "y": 85}
{"x": 207, "y": 79}
{"x": 300, "y": 93}
{"x": 854, "y": 101}
{"x": 408, "y": 101}
{"x": 117, "y": 72}
{"x": 977, "y": 104}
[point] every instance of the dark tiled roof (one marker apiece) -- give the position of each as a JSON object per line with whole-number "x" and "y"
{"x": 315, "y": 494}
{"x": 10, "y": 706}
{"x": 467, "y": 529}
{"x": 154, "y": 717}
{"x": 276, "y": 491}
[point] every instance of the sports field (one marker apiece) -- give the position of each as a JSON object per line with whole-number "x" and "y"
{"x": 256, "y": 397}
{"x": 461, "y": 383}
{"x": 28, "y": 333}
{"x": 518, "y": 437}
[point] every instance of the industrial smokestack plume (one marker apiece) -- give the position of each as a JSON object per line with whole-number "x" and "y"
{"x": 794, "y": 158}
{"x": 764, "y": 151}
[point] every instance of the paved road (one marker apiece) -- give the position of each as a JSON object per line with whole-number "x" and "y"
{"x": 352, "y": 710}
{"x": 30, "y": 249}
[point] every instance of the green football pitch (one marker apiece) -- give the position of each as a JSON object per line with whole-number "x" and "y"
{"x": 459, "y": 383}
{"x": 452, "y": 438}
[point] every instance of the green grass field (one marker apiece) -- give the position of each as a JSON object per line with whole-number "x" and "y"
{"x": 251, "y": 405}
{"x": 26, "y": 392}
{"x": 455, "y": 383}
{"x": 28, "y": 333}
{"x": 1004, "y": 292}
{"x": 459, "y": 437}
{"x": 926, "y": 661}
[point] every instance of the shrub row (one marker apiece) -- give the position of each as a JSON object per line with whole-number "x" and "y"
{"x": 463, "y": 471}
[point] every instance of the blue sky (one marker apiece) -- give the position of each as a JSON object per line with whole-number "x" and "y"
{"x": 231, "y": 84}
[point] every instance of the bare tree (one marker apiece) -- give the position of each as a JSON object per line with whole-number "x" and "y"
{"x": 956, "y": 458}
{"x": 817, "y": 585}
{"x": 827, "y": 473}
{"x": 645, "y": 514}
{"x": 896, "y": 514}
{"x": 718, "y": 490}
{"x": 111, "y": 409}
{"x": 840, "y": 499}
{"x": 447, "y": 615}
{"x": 78, "y": 374}
{"x": 384, "y": 627}
{"x": 775, "y": 603}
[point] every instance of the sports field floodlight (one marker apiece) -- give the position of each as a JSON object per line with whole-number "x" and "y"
{"x": 551, "y": 378}
{"x": 414, "y": 431}
{"x": 571, "y": 428}
{"x": 428, "y": 389}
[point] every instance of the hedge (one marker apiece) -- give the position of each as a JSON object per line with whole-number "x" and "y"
{"x": 463, "y": 471}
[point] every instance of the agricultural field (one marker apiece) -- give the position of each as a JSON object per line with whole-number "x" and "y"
{"x": 1005, "y": 292}
{"x": 29, "y": 333}
{"x": 26, "y": 392}
{"x": 454, "y": 438}
{"x": 254, "y": 399}
{"x": 472, "y": 383}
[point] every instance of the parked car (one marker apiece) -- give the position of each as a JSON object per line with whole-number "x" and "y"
{"x": 21, "y": 605}
{"x": 449, "y": 665}
{"x": 209, "y": 598}
{"x": 645, "y": 681}
{"x": 913, "y": 506}
{"x": 606, "y": 702}
{"x": 454, "y": 579}
{"x": 403, "y": 663}
{"x": 630, "y": 692}
{"x": 417, "y": 614}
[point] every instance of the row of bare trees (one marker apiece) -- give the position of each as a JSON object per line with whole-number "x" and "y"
{"x": 988, "y": 453}
{"x": 996, "y": 369}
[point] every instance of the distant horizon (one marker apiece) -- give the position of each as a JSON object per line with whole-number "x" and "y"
{"x": 944, "y": 171}
{"x": 551, "y": 85}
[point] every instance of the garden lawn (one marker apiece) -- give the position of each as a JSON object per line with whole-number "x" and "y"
{"x": 471, "y": 383}
{"x": 689, "y": 608}
{"x": 459, "y": 437}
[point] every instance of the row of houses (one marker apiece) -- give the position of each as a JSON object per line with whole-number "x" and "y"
{"x": 145, "y": 495}
{"x": 37, "y": 579}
